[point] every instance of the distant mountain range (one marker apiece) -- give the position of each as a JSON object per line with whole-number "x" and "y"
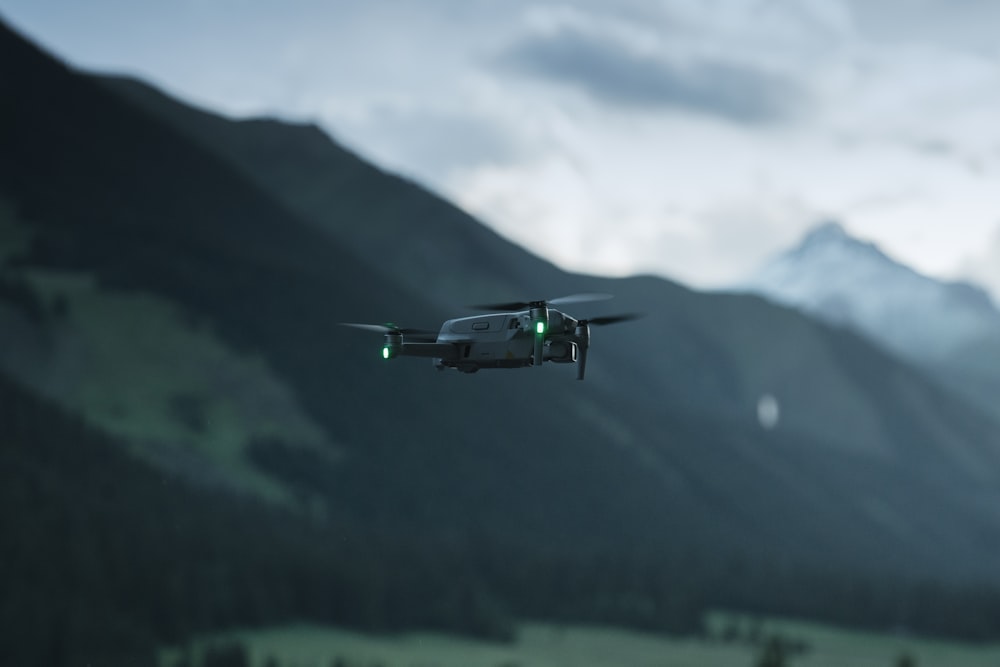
{"x": 171, "y": 288}
{"x": 950, "y": 328}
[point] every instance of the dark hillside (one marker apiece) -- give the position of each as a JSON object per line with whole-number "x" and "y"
{"x": 106, "y": 559}
{"x": 112, "y": 558}
{"x": 411, "y": 234}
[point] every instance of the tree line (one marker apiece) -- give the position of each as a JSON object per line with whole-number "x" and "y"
{"x": 106, "y": 558}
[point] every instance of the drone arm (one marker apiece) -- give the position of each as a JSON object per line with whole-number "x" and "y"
{"x": 446, "y": 351}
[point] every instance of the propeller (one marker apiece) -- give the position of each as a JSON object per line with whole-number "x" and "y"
{"x": 582, "y": 334}
{"x": 611, "y": 319}
{"x": 422, "y": 335}
{"x": 388, "y": 327}
{"x": 520, "y": 305}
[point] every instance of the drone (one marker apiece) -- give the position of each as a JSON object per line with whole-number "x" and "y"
{"x": 524, "y": 333}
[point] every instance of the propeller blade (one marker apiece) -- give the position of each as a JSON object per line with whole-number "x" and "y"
{"x": 392, "y": 328}
{"x": 580, "y": 298}
{"x": 380, "y": 328}
{"x": 612, "y": 319}
{"x": 521, "y": 305}
{"x": 513, "y": 305}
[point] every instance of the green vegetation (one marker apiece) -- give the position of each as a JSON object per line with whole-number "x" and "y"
{"x": 142, "y": 369}
{"x": 15, "y": 234}
{"x": 818, "y": 645}
{"x": 548, "y": 645}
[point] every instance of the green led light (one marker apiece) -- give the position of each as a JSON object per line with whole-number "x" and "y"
{"x": 385, "y": 352}
{"x": 540, "y": 327}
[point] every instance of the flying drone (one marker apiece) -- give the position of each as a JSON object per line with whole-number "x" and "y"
{"x": 526, "y": 333}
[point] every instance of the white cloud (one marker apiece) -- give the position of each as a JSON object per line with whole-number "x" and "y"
{"x": 983, "y": 267}
{"x": 657, "y": 177}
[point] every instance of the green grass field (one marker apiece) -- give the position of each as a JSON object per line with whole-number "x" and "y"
{"x": 548, "y": 645}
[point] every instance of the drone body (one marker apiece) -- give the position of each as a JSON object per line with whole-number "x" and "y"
{"x": 512, "y": 339}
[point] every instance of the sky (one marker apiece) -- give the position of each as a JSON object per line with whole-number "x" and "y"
{"x": 689, "y": 139}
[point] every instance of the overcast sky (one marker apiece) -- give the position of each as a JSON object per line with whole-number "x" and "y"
{"x": 689, "y": 139}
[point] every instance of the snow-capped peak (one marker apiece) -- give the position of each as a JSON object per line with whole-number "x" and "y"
{"x": 843, "y": 280}
{"x": 830, "y": 231}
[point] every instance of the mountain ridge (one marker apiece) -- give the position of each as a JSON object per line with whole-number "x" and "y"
{"x": 336, "y": 169}
{"x": 832, "y": 232}
{"x": 951, "y": 329}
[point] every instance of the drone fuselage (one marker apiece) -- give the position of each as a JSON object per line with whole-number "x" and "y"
{"x": 525, "y": 333}
{"x": 498, "y": 340}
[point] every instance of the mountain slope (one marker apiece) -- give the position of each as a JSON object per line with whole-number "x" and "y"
{"x": 452, "y": 257}
{"x": 525, "y": 479}
{"x": 699, "y": 367}
{"x": 952, "y": 329}
{"x": 700, "y": 361}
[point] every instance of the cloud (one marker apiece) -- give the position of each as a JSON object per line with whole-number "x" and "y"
{"x": 577, "y": 214}
{"x": 429, "y": 141}
{"x": 983, "y": 268}
{"x": 966, "y": 24}
{"x": 610, "y": 71}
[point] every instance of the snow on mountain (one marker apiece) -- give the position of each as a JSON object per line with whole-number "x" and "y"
{"x": 852, "y": 283}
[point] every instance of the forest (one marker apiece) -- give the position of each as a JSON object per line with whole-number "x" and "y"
{"x": 107, "y": 559}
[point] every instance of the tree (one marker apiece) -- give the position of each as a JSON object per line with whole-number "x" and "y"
{"x": 774, "y": 654}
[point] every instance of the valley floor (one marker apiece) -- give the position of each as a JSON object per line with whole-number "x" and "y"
{"x": 549, "y": 645}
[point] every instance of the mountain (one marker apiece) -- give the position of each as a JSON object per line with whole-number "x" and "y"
{"x": 412, "y": 235}
{"x": 459, "y": 261}
{"x": 950, "y": 328}
{"x": 171, "y": 285}
{"x": 714, "y": 355}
